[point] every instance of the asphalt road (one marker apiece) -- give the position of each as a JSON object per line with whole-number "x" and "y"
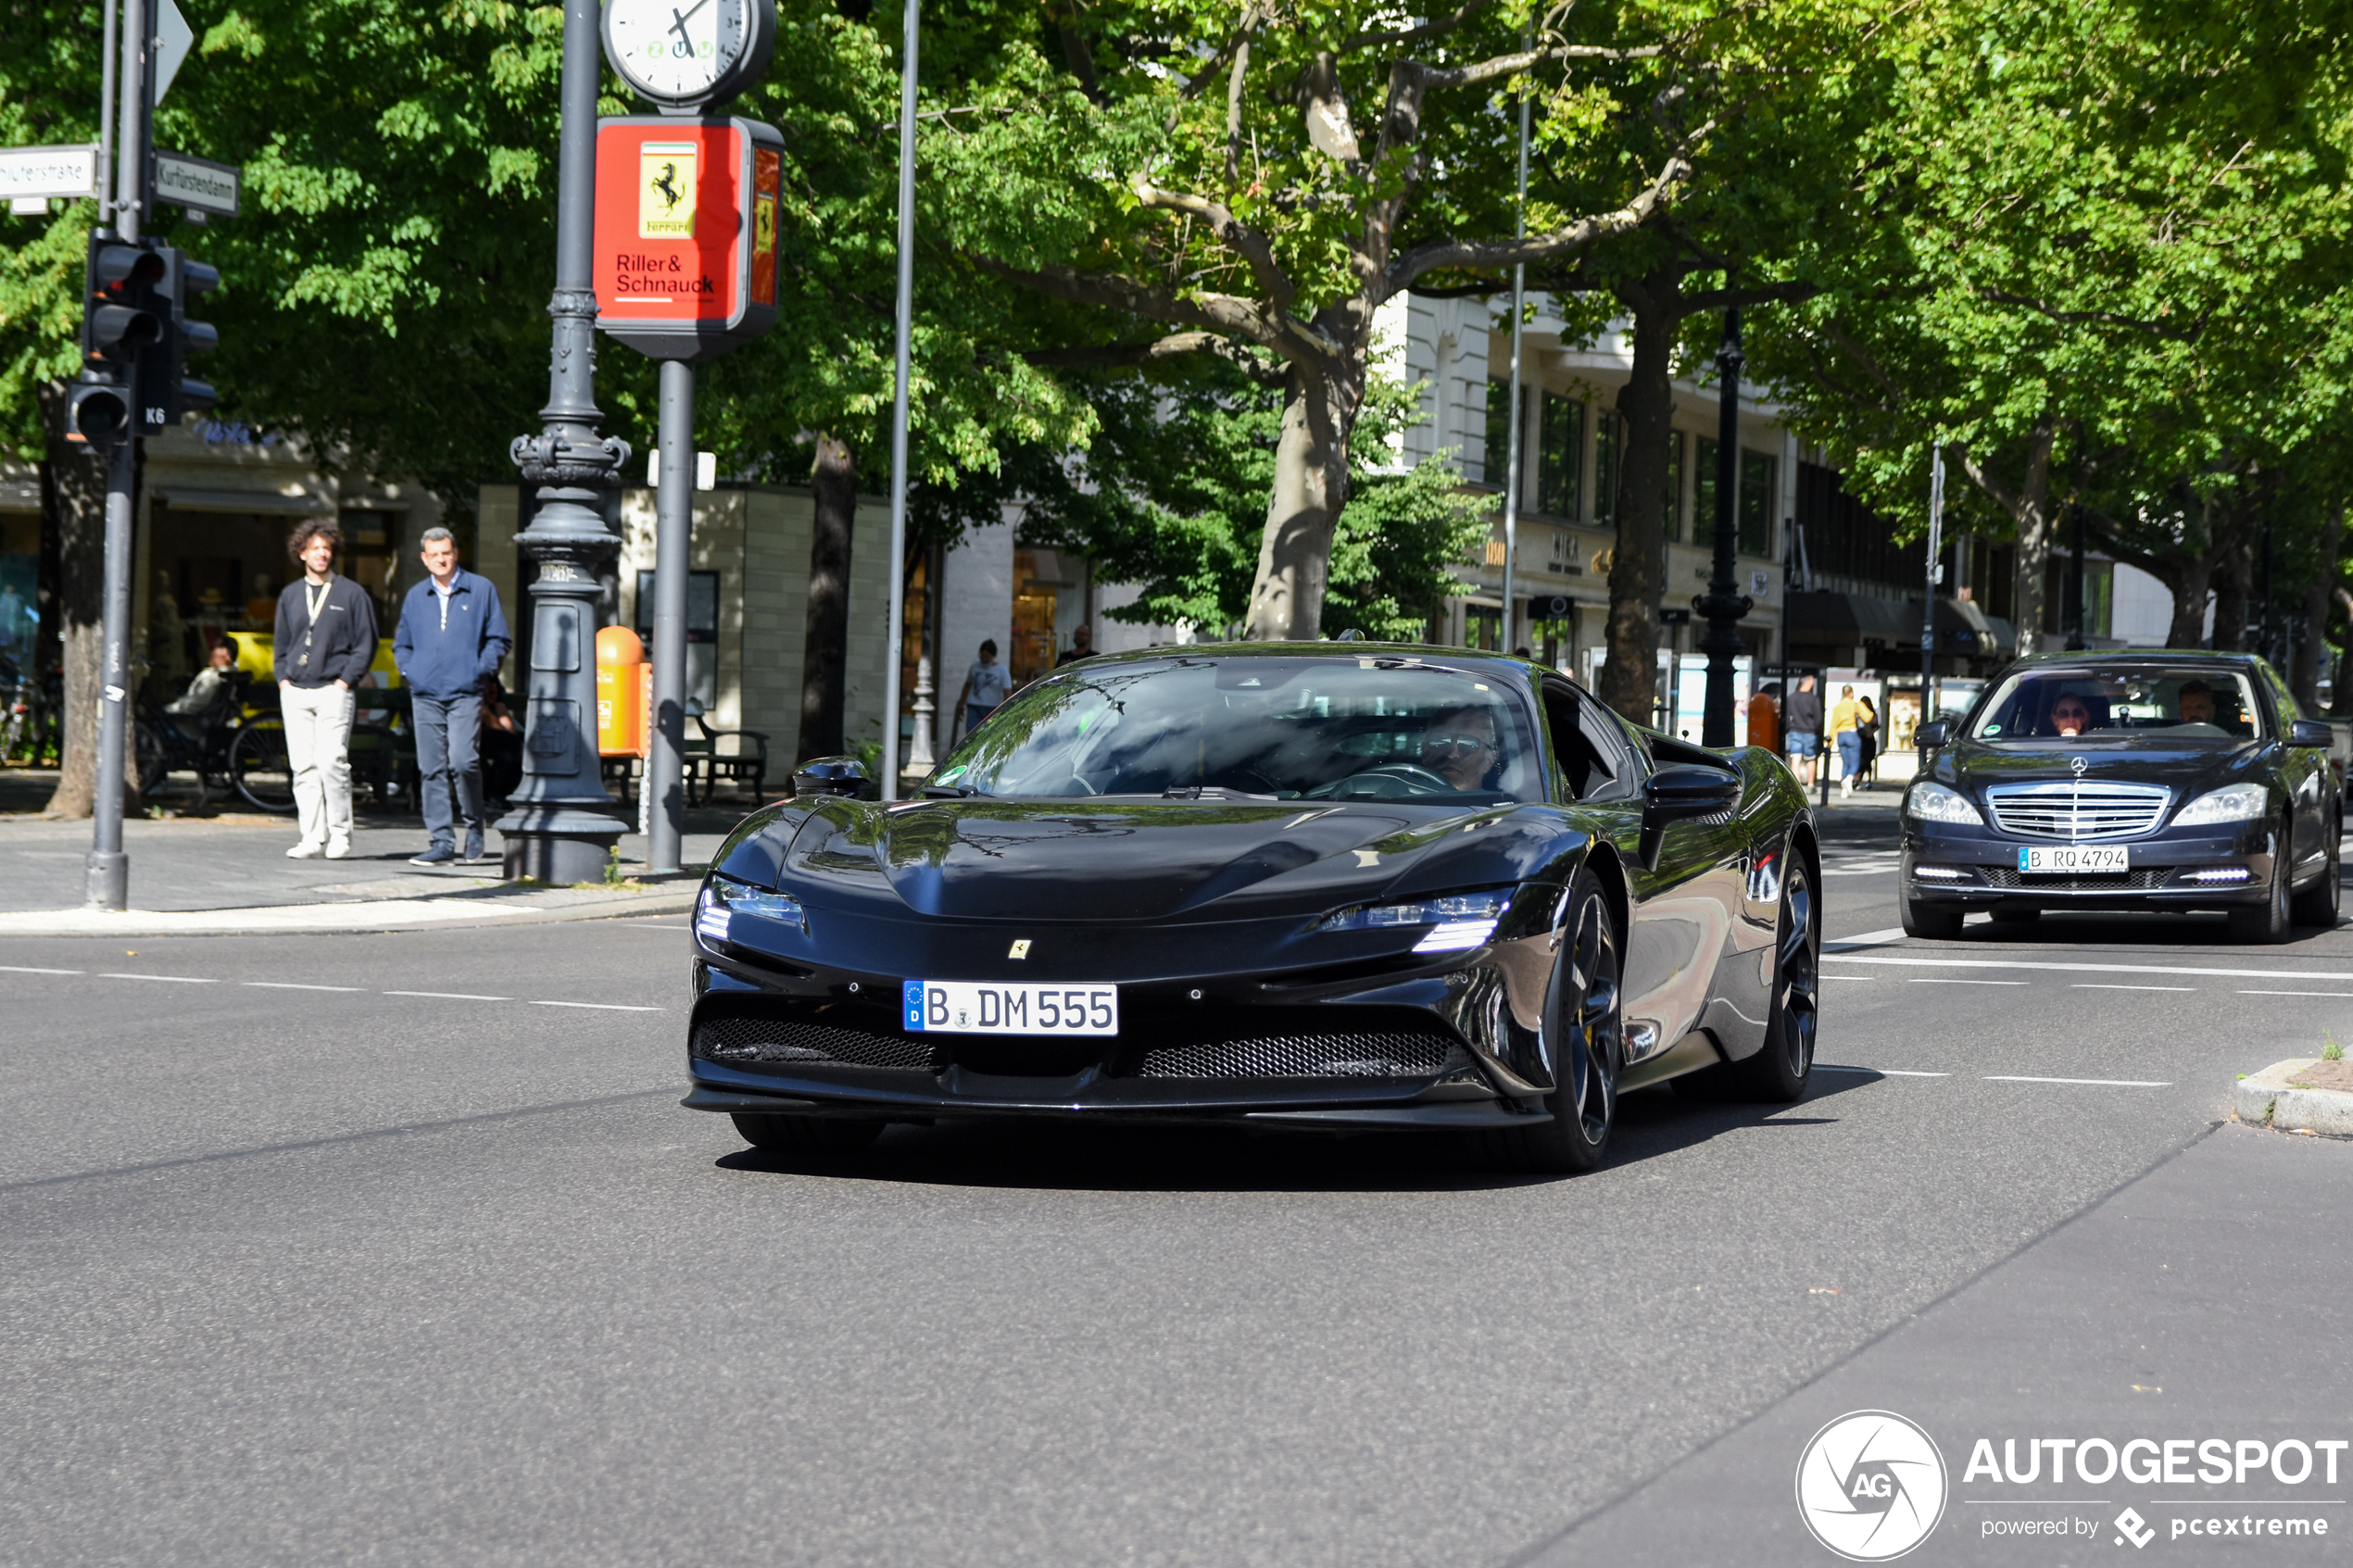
{"x": 342, "y": 1273}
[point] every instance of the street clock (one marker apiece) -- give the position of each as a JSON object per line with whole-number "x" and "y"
{"x": 685, "y": 55}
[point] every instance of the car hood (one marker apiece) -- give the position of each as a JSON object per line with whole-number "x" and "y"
{"x": 1972, "y": 766}
{"x": 1033, "y": 862}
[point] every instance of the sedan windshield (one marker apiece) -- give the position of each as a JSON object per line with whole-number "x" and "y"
{"x": 1284, "y": 729}
{"x": 2206, "y": 707}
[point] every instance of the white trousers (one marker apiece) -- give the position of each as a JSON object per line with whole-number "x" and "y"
{"x": 319, "y": 751}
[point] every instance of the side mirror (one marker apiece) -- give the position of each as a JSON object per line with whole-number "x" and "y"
{"x": 2310, "y": 731}
{"x": 1935, "y": 733}
{"x": 844, "y": 776}
{"x": 1683, "y": 792}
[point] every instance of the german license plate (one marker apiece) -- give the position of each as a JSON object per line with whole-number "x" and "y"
{"x": 2075, "y": 857}
{"x": 955, "y": 1007}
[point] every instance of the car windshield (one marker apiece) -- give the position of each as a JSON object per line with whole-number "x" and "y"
{"x": 2209, "y": 707}
{"x": 1315, "y": 728}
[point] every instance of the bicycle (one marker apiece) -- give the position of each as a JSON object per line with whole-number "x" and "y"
{"x": 28, "y": 707}
{"x": 383, "y": 757}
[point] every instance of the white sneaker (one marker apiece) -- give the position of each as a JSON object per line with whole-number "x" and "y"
{"x": 339, "y": 851}
{"x": 306, "y": 851}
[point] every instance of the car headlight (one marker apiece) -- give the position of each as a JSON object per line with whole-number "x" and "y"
{"x": 2232, "y": 803}
{"x": 1934, "y": 803}
{"x": 722, "y": 900}
{"x": 1457, "y": 922}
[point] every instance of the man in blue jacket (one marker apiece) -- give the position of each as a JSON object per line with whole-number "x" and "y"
{"x": 451, "y": 639}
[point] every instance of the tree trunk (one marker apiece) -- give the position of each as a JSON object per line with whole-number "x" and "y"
{"x": 1638, "y": 565}
{"x": 2191, "y": 584}
{"x": 2033, "y": 518}
{"x": 834, "y": 477}
{"x": 2304, "y": 679}
{"x": 1311, "y": 486}
{"x": 74, "y": 503}
{"x": 2232, "y": 587}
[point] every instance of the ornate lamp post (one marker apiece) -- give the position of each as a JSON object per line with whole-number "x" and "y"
{"x": 563, "y": 826}
{"x": 1723, "y": 605}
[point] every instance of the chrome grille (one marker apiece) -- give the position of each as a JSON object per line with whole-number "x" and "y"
{"x": 782, "y": 1040}
{"x": 2076, "y": 812}
{"x": 1366, "y": 1054}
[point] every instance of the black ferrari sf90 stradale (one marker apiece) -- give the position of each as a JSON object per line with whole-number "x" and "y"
{"x": 1336, "y": 885}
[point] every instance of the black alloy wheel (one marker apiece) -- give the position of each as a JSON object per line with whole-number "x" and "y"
{"x": 1583, "y": 1044}
{"x": 806, "y": 1135}
{"x": 2318, "y": 905}
{"x": 1780, "y": 1073}
{"x": 2268, "y": 921}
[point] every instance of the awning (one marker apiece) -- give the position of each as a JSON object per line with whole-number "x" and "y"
{"x": 1824, "y": 617}
{"x": 301, "y": 503}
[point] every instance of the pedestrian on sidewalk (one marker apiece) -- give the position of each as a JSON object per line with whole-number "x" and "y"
{"x": 1802, "y": 723}
{"x": 1765, "y": 718}
{"x": 1847, "y": 736}
{"x": 1867, "y": 726}
{"x": 451, "y": 639}
{"x": 324, "y": 643}
{"x": 987, "y": 685}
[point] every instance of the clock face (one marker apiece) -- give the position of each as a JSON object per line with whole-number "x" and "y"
{"x": 677, "y": 51}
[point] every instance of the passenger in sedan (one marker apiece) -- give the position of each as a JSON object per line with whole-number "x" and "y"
{"x": 1459, "y": 746}
{"x": 2195, "y": 701}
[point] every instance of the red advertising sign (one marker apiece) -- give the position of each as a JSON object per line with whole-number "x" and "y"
{"x": 687, "y": 210}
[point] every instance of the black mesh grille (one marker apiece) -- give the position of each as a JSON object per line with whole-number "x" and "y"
{"x": 1348, "y": 1054}
{"x": 2137, "y": 881}
{"x": 784, "y": 1040}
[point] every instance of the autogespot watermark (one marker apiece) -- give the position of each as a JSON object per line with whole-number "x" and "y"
{"x": 1871, "y": 1485}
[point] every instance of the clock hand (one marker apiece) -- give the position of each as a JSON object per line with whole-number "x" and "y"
{"x": 678, "y": 21}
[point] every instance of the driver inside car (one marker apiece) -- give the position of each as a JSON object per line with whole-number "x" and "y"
{"x": 2070, "y": 715}
{"x": 1459, "y": 747}
{"x": 2195, "y": 702}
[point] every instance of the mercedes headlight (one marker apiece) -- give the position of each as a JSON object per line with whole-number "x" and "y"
{"x": 1456, "y": 923}
{"x": 2233, "y": 803}
{"x": 1934, "y": 803}
{"x": 722, "y": 902}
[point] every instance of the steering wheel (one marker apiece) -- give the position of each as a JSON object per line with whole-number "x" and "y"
{"x": 1404, "y": 775}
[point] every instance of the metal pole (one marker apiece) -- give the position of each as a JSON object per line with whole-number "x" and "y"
{"x": 897, "y": 564}
{"x": 673, "y": 527}
{"x": 1724, "y": 604}
{"x": 106, "y": 109}
{"x": 1928, "y": 598}
{"x": 1513, "y": 449}
{"x": 563, "y": 826}
{"x": 106, "y": 878}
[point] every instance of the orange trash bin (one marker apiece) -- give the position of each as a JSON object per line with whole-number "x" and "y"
{"x": 620, "y": 687}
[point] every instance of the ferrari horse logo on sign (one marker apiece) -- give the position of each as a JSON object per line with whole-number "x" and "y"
{"x": 1020, "y": 949}
{"x": 666, "y": 191}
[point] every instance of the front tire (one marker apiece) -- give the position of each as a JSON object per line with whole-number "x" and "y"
{"x": 1933, "y": 922}
{"x": 1779, "y": 1074}
{"x": 2268, "y": 921}
{"x": 805, "y": 1134}
{"x": 2318, "y": 905}
{"x": 1584, "y": 1043}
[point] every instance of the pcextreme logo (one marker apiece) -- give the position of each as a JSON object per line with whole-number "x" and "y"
{"x": 1871, "y": 1485}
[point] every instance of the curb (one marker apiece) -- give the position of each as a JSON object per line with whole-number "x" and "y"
{"x": 313, "y": 920}
{"x": 2267, "y": 1099}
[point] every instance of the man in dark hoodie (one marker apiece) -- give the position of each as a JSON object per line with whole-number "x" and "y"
{"x": 325, "y": 641}
{"x": 451, "y": 639}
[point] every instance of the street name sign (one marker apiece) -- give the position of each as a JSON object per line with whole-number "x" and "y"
{"x": 198, "y": 183}
{"x": 685, "y": 257}
{"x": 31, "y": 176}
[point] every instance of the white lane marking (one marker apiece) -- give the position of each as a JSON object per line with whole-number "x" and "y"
{"x": 26, "y": 968}
{"x": 1884, "y": 1071}
{"x": 1868, "y": 939}
{"x": 449, "y": 996}
{"x": 1940, "y": 980}
{"x": 2105, "y": 985}
{"x": 1861, "y": 871}
{"x": 643, "y": 924}
{"x": 297, "y": 985}
{"x": 2092, "y": 968}
{"x": 605, "y": 1007}
{"x": 1863, "y": 979}
{"x": 173, "y": 979}
{"x": 2092, "y": 1083}
{"x": 2296, "y": 993}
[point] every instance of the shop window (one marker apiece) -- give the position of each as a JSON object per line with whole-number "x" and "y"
{"x": 1035, "y": 602}
{"x": 702, "y": 635}
{"x": 1560, "y": 446}
{"x": 1760, "y": 494}
{"x": 1483, "y": 627}
{"x": 1496, "y": 462}
{"x": 1609, "y": 446}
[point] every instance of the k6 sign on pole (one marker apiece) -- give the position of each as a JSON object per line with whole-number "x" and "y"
{"x": 686, "y": 232}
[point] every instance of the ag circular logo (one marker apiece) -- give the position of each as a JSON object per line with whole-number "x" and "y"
{"x": 1871, "y": 1485}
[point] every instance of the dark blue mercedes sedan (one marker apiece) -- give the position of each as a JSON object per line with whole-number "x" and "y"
{"x": 2153, "y": 780}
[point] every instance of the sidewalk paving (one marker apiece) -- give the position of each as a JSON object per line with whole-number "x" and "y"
{"x": 227, "y": 872}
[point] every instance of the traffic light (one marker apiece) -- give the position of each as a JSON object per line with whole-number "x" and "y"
{"x": 123, "y": 319}
{"x": 166, "y": 393}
